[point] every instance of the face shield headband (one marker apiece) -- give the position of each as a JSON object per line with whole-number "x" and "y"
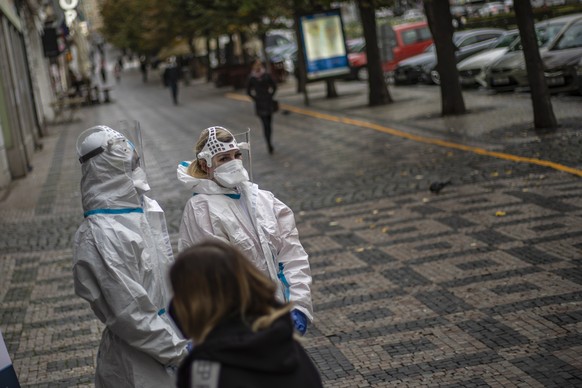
{"x": 95, "y": 140}
{"x": 214, "y": 146}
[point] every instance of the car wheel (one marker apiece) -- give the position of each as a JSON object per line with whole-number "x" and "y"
{"x": 435, "y": 77}
{"x": 363, "y": 74}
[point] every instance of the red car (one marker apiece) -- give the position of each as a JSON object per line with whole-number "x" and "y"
{"x": 396, "y": 43}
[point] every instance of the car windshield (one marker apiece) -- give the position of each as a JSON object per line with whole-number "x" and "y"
{"x": 545, "y": 34}
{"x": 457, "y": 39}
{"x": 571, "y": 38}
{"x": 549, "y": 32}
{"x": 356, "y": 46}
{"x": 505, "y": 40}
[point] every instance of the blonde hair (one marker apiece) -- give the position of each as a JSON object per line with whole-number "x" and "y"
{"x": 213, "y": 281}
{"x": 195, "y": 168}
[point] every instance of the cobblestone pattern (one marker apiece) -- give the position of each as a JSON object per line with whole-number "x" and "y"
{"x": 438, "y": 297}
{"x": 410, "y": 288}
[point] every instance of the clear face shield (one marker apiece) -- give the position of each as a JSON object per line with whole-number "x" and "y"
{"x": 132, "y": 132}
{"x": 244, "y": 143}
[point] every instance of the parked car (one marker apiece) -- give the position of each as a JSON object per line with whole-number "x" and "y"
{"x": 422, "y": 67}
{"x": 283, "y": 58}
{"x": 562, "y": 58}
{"x": 472, "y": 69}
{"x": 413, "y": 14}
{"x": 508, "y": 72}
{"x": 404, "y": 41}
{"x": 491, "y": 9}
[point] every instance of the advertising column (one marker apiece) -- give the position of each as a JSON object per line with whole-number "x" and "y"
{"x": 324, "y": 45}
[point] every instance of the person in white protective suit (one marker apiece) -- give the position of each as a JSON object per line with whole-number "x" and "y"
{"x": 121, "y": 258}
{"x": 227, "y": 206}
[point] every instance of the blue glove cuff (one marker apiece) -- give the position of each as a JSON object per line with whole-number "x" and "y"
{"x": 299, "y": 321}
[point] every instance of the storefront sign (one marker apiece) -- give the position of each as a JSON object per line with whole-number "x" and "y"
{"x": 68, "y": 6}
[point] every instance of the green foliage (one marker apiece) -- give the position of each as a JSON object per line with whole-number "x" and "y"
{"x": 507, "y": 20}
{"x": 353, "y": 30}
{"x": 146, "y": 26}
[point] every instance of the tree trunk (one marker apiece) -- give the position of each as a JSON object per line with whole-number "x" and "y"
{"x": 378, "y": 91}
{"x": 331, "y": 90}
{"x": 263, "y": 37}
{"x": 544, "y": 118}
{"x": 208, "y": 65}
{"x": 243, "y": 41}
{"x": 300, "y": 71}
{"x": 440, "y": 22}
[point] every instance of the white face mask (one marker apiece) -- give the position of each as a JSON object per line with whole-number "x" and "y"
{"x": 231, "y": 174}
{"x": 140, "y": 182}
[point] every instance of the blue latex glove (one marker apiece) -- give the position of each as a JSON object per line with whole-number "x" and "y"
{"x": 300, "y": 321}
{"x": 189, "y": 347}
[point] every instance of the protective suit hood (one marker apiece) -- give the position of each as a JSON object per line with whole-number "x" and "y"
{"x": 107, "y": 178}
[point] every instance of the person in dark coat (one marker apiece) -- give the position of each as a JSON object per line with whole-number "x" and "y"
{"x": 171, "y": 78}
{"x": 143, "y": 66}
{"x": 261, "y": 88}
{"x": 242, "y": 336}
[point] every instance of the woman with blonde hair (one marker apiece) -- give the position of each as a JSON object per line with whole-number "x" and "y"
{"x": 243, "y": 336}
{"x": 225, "y": 205}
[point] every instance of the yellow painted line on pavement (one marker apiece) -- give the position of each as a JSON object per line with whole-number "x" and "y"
{"x": 420, "y": 139}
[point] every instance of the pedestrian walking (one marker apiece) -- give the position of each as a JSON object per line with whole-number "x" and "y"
{"x": 171, "y": 78}
{"x": 117, "y": 72}
{"x": 121, "y": 256}
{"x": 228, "y": 207}
{"x": 261, "y": 88}
{"x": 243, "y": 334}
{"x": 143, "y": 67}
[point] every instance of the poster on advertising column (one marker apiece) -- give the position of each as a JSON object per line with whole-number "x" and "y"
{"x": 324, "y": 45}
{"x": 8, "y": 378}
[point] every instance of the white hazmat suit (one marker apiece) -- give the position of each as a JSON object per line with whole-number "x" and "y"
{"x": 121, "y": 257}
{"x": 258, "y": 224}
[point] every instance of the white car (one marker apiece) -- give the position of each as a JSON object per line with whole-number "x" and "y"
{"x": 472, "y": 69}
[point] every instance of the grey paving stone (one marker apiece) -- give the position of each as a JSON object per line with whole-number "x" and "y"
{"x": 442, "y": 302}
{"x": 544, "y": 369}
{"x": 532, "y": 255}
{"x": 493, "y": 333}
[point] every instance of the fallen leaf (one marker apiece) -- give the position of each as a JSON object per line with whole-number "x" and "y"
{"x": 500, "y": 213}
{"x": 339, "y": 200}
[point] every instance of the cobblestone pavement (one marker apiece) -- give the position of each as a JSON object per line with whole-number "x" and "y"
{"x": 478, "y": 286}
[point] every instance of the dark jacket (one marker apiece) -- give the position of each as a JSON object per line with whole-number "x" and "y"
{"x": 262, "y": 90}
{"x": 171, "y": 75}
{"x": 244, "y": 359}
